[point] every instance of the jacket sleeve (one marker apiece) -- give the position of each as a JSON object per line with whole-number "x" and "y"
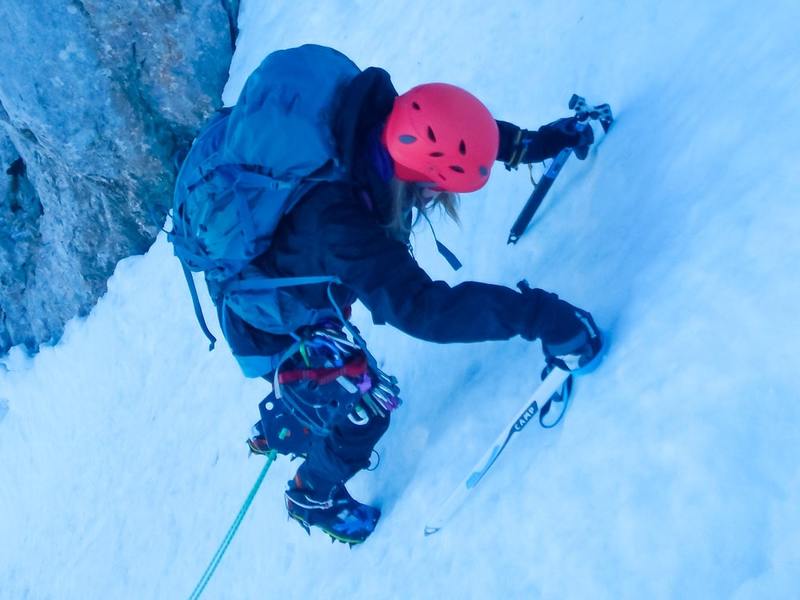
{"x": 391, "y": 284}
{"x": 543, "y": 143}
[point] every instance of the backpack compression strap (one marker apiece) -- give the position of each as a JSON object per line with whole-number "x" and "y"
{"x": 198, "y": 311}
{"x": 249, "y": 286}
{"x": 272, "y": 283}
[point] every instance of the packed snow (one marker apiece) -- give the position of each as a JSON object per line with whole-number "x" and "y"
{"x": 676, "y": 472}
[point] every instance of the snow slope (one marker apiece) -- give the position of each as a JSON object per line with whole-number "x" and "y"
{"x": 676, "y": 473}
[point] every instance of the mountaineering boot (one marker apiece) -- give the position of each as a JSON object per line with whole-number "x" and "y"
{"x": 334, "y": 511}
{"x": 257, "y": 442}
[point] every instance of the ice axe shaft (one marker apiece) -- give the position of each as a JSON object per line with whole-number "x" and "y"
{"x": 583, "y": 112}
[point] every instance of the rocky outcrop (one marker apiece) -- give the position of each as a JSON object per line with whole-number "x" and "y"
{"x": 98, "y": 98}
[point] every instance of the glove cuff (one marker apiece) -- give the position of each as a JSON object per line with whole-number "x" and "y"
{"x": 518, "y": 146}
{"x": 538, "y": 310}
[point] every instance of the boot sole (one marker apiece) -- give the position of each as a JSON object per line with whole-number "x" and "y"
{"x": 333, "y": 535}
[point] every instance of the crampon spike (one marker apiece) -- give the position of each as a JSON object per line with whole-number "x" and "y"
{"x": 299, "y": 522}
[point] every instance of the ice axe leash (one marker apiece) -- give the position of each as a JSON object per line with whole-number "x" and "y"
{"x": 584, "y": 113}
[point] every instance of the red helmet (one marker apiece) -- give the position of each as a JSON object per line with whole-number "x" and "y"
{"x": 440, "y": 133}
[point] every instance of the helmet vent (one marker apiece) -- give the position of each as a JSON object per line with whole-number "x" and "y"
{"x": 407, "y": 139}
{"x": 415, "y": 106}
{"x": 436, "y": 154}
{"x": 462, "y": 148}
{"x": 456, "y": 168}
{"x": 431, "y": 135}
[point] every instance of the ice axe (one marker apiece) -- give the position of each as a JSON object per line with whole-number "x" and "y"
{"x": 584, "y": 113}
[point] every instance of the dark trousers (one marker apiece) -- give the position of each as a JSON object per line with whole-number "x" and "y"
{"x": 343, "y": 453}
{"x": 333, "y": 457}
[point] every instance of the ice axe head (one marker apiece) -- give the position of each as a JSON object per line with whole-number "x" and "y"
{"x": 584, "y": 112}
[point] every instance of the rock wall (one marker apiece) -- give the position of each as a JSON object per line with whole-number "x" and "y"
{"x": 98, "y": 99}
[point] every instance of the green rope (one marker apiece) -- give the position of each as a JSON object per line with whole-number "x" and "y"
{"x": 212, "y": 566}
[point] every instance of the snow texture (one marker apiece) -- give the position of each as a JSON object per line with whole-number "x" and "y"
{"x": 676, "y": 473}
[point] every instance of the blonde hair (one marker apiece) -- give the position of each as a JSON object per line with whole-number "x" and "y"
{"x": 407, "y": 196}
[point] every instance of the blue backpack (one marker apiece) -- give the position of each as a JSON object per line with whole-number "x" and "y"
{"x": 246, "y": 169}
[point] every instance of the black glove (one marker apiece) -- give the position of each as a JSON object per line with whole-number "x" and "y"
{"x": 535, "y": 146}
{"x": 570, "y": 337}
{"x": 570, "y": 133}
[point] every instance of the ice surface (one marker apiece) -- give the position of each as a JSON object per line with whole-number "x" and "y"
{"x": 676, "y": 473}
